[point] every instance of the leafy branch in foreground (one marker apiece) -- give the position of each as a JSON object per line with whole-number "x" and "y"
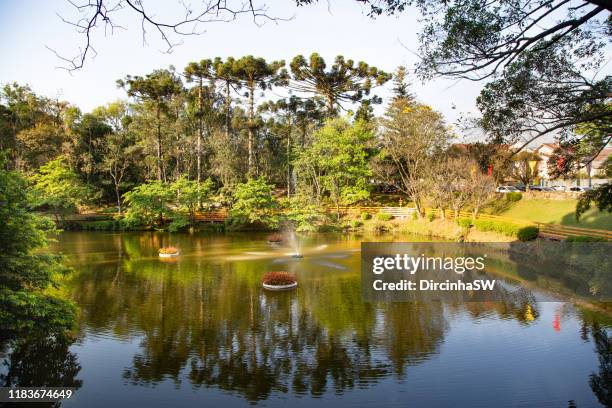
{"x": 601, "y": 196}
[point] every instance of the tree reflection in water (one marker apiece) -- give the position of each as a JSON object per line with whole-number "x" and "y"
{"x": 601, "y": 382}
{"x": 207, "y": 322}
{"x": 37, "y": 361}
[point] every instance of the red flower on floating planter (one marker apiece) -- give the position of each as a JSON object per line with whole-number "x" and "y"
{"x": 278, "y": 278}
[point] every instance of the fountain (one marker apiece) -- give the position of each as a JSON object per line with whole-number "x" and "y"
{"x": 294, "y": 243}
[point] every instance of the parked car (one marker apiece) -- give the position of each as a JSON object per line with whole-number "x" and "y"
{"x": 579, "y": 189}
{"x": 536, "y": 188}
{"x": 558, "y": 188}
{"x": 507, "y": 189}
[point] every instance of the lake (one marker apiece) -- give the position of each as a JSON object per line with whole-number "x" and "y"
{"x": 199, "y": 330}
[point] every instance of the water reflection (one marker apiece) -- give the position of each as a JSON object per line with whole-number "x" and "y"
{"x": 203, "y": 321}
{"x": 39, "y": 360}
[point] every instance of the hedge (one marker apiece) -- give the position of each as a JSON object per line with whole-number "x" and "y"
{"x": 384, "y": 216}
{"x": 506, "y": 228}
{"x": 365, "y": 216}
{"x": 464, "y": 222}
{"x": 513, "y": 196}
{"x": 528, "y": 233}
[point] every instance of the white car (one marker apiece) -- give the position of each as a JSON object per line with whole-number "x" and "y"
{"x": 558, "y": 188}
{"x": 507, "y": 189}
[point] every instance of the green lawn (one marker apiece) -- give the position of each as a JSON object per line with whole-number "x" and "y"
{"x": 558, "y": 212}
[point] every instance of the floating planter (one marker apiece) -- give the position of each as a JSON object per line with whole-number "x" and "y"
{"x": 279, "y": 281}
{"x": 275, "y": 239}
{"x": 168, "y": 252}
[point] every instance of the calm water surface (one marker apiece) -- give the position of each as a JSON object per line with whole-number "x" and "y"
{"x": 199, "y": 331}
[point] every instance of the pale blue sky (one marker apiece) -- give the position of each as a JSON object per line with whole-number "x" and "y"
{"x": 27, "y": 26}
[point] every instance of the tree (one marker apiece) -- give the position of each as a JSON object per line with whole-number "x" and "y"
{"x": 257, "y": 73}
{"x": 294, "y": 115}
{"x": 449, "y": 182}
{"x": 191, "y": 195}
{"x": 254, "y": 203}
{"x": 345, "y": 81}
{"x": 156, "y": 88}
{"x": 199, "y": 72}
{"x": 226, "y": 74}
{"x": 538, "y": 55}
{"x": 413, "y": 138}
{"x": 336, "y": 164}
{"x": 606, "y": 169}
{"x": 59, "y": 188}
{"x": 87, "y": 134}
{"x": 149, "y": 204}
{"x": 119, "y": 146}
{"x": 482, "y": 188}
{"x": 31, "y": 126}
{"x": 601, "y": 196}
{"x": 401, "y": 88}
{"x": 25, "y": 271}
{"x": 524, "y": 167}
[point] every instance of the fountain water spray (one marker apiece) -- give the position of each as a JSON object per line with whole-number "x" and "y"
{"x": 294, "y": 243}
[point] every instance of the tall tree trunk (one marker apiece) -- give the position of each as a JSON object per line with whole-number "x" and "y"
{"x": 159, "y": 145}
{"x": 200, "y": 135}
{"x": 118, "y": 198}
{"x": 289, "y": 164}
{"x": 228, "y": 112}
{"x": 330, "y": 106}
{"x": 251, "y": 125}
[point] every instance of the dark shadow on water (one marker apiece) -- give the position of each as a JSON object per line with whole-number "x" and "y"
{"x": 36, "y": 361}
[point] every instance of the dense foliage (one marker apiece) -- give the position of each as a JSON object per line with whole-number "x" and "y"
{"x": 26, "y": 272}
{"x": 600, "y": 195}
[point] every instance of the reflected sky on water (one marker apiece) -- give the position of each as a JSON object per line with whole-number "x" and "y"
{"x": 200, "y": 330}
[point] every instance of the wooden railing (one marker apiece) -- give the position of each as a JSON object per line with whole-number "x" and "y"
{"x": 397, "y": 212}
{"x": 546, "y": 230}
{"x": 212, "y": 216}
{"x": 562, "y": 231}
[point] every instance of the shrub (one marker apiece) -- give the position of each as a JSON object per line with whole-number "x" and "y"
{"x": 355, "y": 224}
{"x": 179, "y": 223}
{"x": 464, "y": 222}
{"x": 377, "y": 226}
{"x": 278, "y": 278}
{"x": 415, "y": 216}
{"x": 585, "y": 238}
{"x": 500, "y": 227}
{"x": 305, "y": 217}
{"x": 168, "y": 250}
{"x": 254, "y": 203}
{"x": 523, "y": 233}
{"x": 528, "y": 233}
{"x": 430, "y": 216}
{"x": 384, "y": 216}
{"x": 366, "y": 216}
{"x": 513, "y": 196}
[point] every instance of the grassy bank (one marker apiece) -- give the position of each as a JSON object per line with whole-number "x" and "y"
{"x": 557, "y": 212}
{"x": 436, "y": 228}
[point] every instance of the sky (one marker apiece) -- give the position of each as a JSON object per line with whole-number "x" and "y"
{"x": 28, "y": 27}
